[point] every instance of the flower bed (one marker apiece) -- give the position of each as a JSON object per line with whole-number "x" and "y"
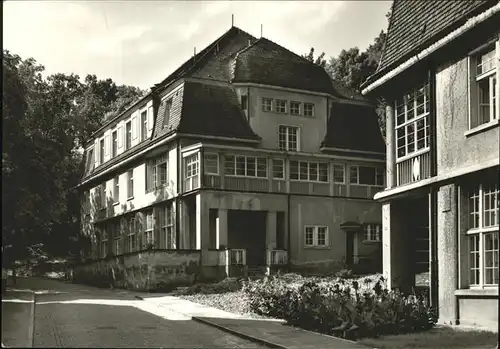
{"x": 345, "y": 308}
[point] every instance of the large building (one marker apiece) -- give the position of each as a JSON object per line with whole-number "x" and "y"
{"x": 439, "y": 73}
{"x": 248, "y": 149}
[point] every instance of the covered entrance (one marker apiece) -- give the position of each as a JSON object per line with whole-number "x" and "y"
{"x": 247, "y": 230}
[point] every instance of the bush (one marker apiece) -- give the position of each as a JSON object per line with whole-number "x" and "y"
{"x": 344, "y": 274}
{"x": 348, "y": 309}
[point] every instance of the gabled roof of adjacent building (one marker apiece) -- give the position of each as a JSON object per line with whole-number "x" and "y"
{"x": 416, "y": 24}
{"x": 353, "y": 126}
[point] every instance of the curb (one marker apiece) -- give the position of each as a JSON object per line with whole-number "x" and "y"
{"x": 239, "y": 334}
{"x": 228, "y": 330}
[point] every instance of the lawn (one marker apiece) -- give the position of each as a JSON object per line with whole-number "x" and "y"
{"x": 227, "y": 296}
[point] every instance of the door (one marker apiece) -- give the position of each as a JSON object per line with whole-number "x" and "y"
{"x": 349, "y": 248}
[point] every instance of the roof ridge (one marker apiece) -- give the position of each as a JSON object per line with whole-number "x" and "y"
{"x": 293, "y": 53}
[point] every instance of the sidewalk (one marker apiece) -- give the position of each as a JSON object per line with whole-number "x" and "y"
{"x": 271, "y": 332}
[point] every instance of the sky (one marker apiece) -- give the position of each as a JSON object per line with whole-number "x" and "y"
{"x": 140, "y": 43}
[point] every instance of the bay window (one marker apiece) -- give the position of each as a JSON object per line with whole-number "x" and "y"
{"x": 211, "y": 165}
{"x": 412, "y": 121}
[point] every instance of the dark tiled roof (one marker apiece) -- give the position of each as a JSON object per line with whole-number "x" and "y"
{"x": 214, "y": 110}
{"x": 266, "y": 62}
{"x": 353, "y": 126}
{"x": 204, "y": 65}
{"x": 416, "y": 24}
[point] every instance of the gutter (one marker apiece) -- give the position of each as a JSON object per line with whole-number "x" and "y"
{"x": 219, "y": 138}
{"x": 352, "y": 151}
{"x": 432, "y": 48}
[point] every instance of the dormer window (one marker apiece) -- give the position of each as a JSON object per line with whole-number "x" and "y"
{"x": 166, "y": 113}
{"x": 281, "y": 106}
{"x": 294, "y": 108}
{"x": 244, "y": 102}
{"x": 308, "y": 109}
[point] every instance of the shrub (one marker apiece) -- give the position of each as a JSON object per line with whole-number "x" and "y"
{"x": 344, "y": 308}
{"x": 344, "y": 274}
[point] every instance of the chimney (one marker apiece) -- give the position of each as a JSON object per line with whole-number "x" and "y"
{"x": 232, "y": 20}
{"x": 261, "y": 30}
{"x": 249, "y": 42}
{"x": 194, "y": 53}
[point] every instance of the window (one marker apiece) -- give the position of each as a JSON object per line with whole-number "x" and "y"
{"x": 281, "y": 106}
{"x": 167, "y": 232}
{"x": 412, "y": 121}
{"x": 482, "y": 235}
{"x": 89, "y": 164}
{"x": 338, "y": 173}
{"x": 267, "y": 104}
{"x": 128, "y": 135}
{"x": 372, "y": 232}
{"x": 211, "y": 163}
{"x": 295, "y": 108}
{"x": 483, "y": 71}
{"x": 144, "y": 125}
{"x": 308, "y": 109}
{"x": 130, "y": 184}
{"x": 191, "y": 166}
{"x": 288, "y": 138}
{"x": 104, "y": 243}
{"x": 148, "y": 230}
{"x": 101, "y": 151}
{"x": 156, "y": 172}
{"x": 316, "y": 236}
{"x": 118, "y": 244}
{"x": 244, "y": 102}
{"x": 166, "y": 114}
{"x": 131, "y": 237}
{"x": 245, "y": 166}
{"x": 114, "y": 145}
{"x": 365, "y": 175}
{"x": 116, "y": 190}
{"x": 308, "y": 171}
{"x": 102, "y": 196}
{"x": 278, "y": 169}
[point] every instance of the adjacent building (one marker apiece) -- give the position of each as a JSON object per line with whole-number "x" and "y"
{"x": 439, "y": 74}
{"x": 246, "y": 150}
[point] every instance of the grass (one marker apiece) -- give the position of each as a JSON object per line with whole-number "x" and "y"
{"x": 439, "y": 337}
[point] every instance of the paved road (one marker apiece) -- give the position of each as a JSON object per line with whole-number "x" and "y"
{"x": 76, "y": 316}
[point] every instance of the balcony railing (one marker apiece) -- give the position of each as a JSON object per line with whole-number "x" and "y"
{"x": 236, "y": 256}
{"x": 277, "y": 257}
{"x": 414, "y": 169}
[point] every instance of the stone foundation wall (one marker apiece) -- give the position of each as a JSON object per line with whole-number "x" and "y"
{"x": 160, "y": 270}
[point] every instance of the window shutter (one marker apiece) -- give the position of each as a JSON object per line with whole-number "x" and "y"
{"x": 134, "y": 127}
{"x": 327, "y": 233}
{"x": 120, "y": 136}
{"x": 148, "y": 179}
{"x": 97, "y": 155}
{"x": 150, "y": 120}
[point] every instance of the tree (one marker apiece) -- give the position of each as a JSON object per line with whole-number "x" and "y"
{"x": 318, "y": 61}
{"x": 46, "y": 121}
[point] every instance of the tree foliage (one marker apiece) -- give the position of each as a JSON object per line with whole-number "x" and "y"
{"x": 46, "y": 121}
{"x": 320, "y": 60}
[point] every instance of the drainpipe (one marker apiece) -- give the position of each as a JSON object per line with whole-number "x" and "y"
{"x": 248, "y": 104}
{"x": 289, "y": 258}
{"x": 177, "y": 201}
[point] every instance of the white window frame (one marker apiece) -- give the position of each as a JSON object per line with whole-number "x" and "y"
{"x": 116, "y": 190}
{"x": 286, "y": 144}
{"x": 267, "y": 104}
{"x": 114, "y": 143}
{"x": 479, "y": 230}
{"x": 132, "y": 235}
{"x": 372, "y": 232}
{"x": 128, "y": 135}
{"x": 310, "y": 165}
{"x": 211, "y": 163}
{"x": 148, "y": 229}
{"x": 167, "y": 227}
{"x": 412, "y": 124}
{"x": 278, "y": 168}
{"x": 281, "y": 106}
{"x": 315, "y": 230}
{"x": 153, "y": 166}
{"x": 104, "y": 243}
{"x": 295, "y": 108}
{"x": 191, "y": 165}
{"x": 130, "y": 184}
{"x": 144, "y": 124}
{"x": 476, "y": 77}
{"x": 378, "y": 174}
{"x": 231, "y": 167}
{"x": 102, "y": 147}
{"x": 336, "y": 169}
{"x": 309, "y": 113}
